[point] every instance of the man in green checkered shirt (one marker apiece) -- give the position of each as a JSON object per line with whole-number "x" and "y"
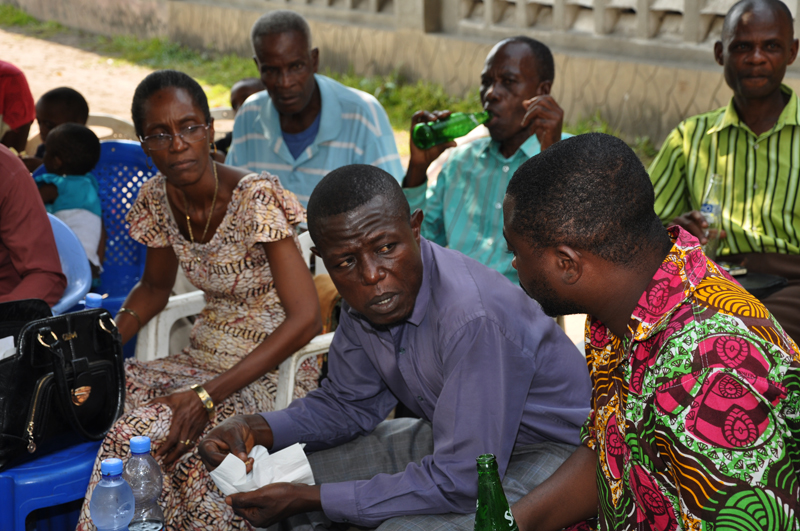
{"x": 754, "y": 145}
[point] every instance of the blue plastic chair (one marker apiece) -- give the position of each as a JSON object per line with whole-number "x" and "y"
{"x": 120, "y": 173}
{"x": 50, "y": 480}
{"x": 74, "y": 264}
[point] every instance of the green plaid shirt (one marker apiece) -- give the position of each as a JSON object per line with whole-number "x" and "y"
{"x": 761, "y": 204}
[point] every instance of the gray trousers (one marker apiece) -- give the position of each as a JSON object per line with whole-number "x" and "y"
{"x": 396, "y": 443}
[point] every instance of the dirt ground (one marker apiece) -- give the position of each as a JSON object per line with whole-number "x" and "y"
{"x": 108, "y": 86}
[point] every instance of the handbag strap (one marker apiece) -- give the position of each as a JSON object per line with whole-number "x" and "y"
{"x": 56, "y": 349}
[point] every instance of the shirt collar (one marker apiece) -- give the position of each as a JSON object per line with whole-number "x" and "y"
{"x": 330, "y": 121}
{"x": 679, "y": 275}
{"x": 530, "y": 148}
{"x": 789, "y": 115}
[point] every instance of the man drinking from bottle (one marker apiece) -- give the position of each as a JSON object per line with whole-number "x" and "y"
{"x": 464, "y": 210}
{"x": 468, "y": 352}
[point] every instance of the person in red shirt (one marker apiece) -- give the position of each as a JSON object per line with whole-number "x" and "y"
{"x": 17, "y": 110}
{"x": 29, "y": 263}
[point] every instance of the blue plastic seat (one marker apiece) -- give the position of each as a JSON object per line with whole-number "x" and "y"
{"x": 120, "y": 173}
{"x": 74, "y": 264}
{"x": 50, "y": 480}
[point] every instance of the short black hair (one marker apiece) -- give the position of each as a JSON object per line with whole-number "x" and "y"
{"x": 76, "y": 146}
{"x": 545, "y": 65}
{"x": 162, "y": 79}
{"x": 279, "y": 21}
{"x": 70, "y": 101}
{"x": 590, "y": 192}
{"x": 745, "y": 6}
{"x": 347, "y": 188}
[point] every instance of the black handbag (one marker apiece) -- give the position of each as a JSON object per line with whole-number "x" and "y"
{"x": 66, "y": 379}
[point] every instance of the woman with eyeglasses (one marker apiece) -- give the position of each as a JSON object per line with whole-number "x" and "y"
{"x": 232, "y": 233}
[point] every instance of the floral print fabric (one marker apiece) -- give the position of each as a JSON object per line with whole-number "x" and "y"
{"x": 696, "y": 411}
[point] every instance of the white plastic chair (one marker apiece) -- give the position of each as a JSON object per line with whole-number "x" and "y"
{"x": 153, "y": 340}
{"x": 121, "y": 129}
{"x": 305, "y": 248}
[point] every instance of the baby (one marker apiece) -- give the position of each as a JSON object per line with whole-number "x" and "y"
{"x": 69, "y": 190}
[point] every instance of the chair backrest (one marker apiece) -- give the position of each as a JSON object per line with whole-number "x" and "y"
{"x": 121, "y": 172}
{"x": 310, "y": 258}
{"x": 120, "y": 128}
{"x": 74, "y": 264}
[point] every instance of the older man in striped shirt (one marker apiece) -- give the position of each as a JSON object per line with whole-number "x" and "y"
{"x": 305, "y": 124}
{"x": 754, "y": 145}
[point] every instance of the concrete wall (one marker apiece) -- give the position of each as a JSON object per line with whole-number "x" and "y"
{"x": 142, "y": 18}
{"x": 643, "y": 87}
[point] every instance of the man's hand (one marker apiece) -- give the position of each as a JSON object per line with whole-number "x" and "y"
{"x": 696, "y": 224}
{"x": 272, "y": 503}
{"x": 545, "y": 118}
{"x": 189, "y": 419}
{"x": 422, "y": 158}
{"x": 237, "y": 436}
{"x": 544, "y": 508}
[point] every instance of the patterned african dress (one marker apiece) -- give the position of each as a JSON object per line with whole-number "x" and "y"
{"x": 242, "y": 309}
{"x": 695, "y": 412}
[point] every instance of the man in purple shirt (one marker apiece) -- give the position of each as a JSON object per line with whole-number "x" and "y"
{"x": 455, "y": 341}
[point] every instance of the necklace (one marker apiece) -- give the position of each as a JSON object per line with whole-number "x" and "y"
{"x": 210, "y": 213}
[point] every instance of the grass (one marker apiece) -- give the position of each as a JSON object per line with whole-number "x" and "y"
{"x": 217, "y": 73}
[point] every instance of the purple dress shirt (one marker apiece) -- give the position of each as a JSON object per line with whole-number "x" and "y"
{"x": 477, "y": 358}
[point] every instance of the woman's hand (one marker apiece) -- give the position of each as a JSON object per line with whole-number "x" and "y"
{"x": 189, "y": 418}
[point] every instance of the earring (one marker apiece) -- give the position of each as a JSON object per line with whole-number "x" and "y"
{"x": 215, "y": 147}
{"x": 149, "y": 162}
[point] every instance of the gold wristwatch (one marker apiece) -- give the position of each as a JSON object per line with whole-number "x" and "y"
{"x": 206, "y": 398}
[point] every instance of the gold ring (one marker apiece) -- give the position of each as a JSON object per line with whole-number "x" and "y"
{"x": 187, "y": 442}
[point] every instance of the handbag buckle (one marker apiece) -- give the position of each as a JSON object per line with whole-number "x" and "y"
{"x": 103, "y": 326}
{"x": 41, "y": 339}
{"x": 81, "y": 394}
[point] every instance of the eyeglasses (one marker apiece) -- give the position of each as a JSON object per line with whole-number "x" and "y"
{"x": 190, "y": 134}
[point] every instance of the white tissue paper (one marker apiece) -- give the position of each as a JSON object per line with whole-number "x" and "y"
{"x": 287, "y": 465}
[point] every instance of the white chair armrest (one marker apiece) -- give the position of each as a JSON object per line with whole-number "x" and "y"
{"x": 288, "y": 369}
{"x": 153, "y": 341}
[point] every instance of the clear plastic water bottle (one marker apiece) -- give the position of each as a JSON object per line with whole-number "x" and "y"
{"x": 94, "y": 300}
{"x": 144, "y": 476}
{"x": 111, "y": 507}
{"x": 712, "y": 211}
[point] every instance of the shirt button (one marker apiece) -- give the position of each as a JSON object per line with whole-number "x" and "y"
{"x": 755, "y": 146}
{"x": 498, "y": 205}
{"x": 420, "y": 399}
{"x": 505, "y": 169}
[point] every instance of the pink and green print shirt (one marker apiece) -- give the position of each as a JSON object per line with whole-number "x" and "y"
{"x": 696, "y": 411}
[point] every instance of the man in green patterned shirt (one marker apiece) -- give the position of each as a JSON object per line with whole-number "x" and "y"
{"x": 463, "y": 210}
{"x": 753, "y": 144}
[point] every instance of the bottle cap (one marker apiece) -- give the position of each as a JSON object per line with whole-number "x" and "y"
{"x": 94, "y": 300}
{"x": 140, "y": 444}
{"x": 111, "y": 467}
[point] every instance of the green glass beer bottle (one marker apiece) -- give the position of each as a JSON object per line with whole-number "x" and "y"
{"x": 458, "y": 124}
{"x": 492, "y": 511}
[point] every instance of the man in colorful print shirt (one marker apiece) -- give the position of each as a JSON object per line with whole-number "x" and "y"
{"x": 752, "y": 144}
{"x": 696, "y": 387}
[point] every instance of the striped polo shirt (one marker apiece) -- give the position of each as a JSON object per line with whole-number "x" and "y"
{"x": 354, "y": 129}
{"x": 760, "y": 204}
{"x": 464, "y": 209}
